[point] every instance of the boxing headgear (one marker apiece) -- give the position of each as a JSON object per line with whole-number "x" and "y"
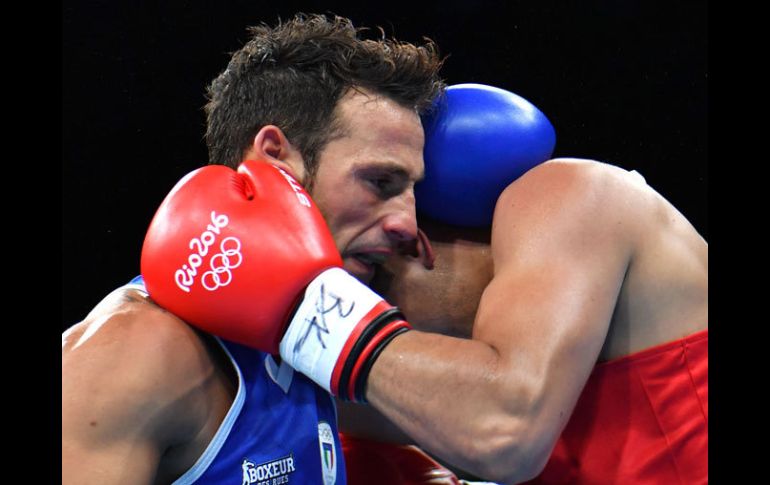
{"x": 478, "y": 139}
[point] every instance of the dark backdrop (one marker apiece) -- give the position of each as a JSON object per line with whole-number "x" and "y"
{"x": 622, "y": 81}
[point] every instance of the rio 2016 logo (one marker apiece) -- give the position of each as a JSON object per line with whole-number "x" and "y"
{"x": 228, "y": 258}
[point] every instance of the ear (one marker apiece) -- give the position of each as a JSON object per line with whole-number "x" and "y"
{"x": 271, "y": 145}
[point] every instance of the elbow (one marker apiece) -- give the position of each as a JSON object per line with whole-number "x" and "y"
{"x": 509, "y": 453}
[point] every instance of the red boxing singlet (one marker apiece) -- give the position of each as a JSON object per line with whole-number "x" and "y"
{"x": 641, "y": 419}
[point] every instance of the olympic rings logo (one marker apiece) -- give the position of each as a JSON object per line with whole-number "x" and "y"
{"x": 229, "y": 258}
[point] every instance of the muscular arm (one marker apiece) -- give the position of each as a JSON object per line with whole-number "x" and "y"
{"x": 123, "y": 392}
{"x": 495, "y": 405}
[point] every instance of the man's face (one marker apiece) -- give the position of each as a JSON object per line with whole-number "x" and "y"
{"x": 364, "y": 184}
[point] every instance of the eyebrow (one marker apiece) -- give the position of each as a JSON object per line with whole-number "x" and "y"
{"x": 392, "y": 169}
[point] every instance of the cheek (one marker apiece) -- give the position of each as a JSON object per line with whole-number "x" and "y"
{"x": 342, "y": 203}
{"x": 345, "y": 210}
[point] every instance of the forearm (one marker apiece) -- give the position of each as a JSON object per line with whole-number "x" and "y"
{"x": 453, "y": 398}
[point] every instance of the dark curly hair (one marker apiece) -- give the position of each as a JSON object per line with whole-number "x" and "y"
{"x": 292, "y": 76}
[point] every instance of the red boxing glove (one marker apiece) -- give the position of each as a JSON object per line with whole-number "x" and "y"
{"x": 232, "y": 253}
{"x": 370, "y": 462}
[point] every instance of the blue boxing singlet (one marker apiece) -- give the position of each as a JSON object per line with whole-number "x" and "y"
{"x": 281, "y": 427}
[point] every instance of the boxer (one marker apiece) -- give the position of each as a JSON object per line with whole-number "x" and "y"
{"x": 148, "y": 398}
{"x": 641, "y": 414}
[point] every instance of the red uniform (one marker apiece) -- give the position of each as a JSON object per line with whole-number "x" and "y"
{"x": 641, "y": 419}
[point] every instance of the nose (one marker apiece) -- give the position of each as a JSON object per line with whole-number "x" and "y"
{"x": 400, "y": 222}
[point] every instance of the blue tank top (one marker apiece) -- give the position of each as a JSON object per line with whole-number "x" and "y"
{"x": 281, "y": 427}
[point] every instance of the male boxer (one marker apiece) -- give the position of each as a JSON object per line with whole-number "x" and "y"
{"x": 585, "y": 307}
{"x": 146, "y": 398}
{"x": 584, "y": 264}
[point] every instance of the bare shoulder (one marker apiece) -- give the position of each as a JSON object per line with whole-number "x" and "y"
{"x": 126, "y": 325}
{"x": 578, "y": 196}
{"x": 608, "y": 223}
{"x": 599, "y": 196}
{"x": 131, "y": 364}
{"x": 589, "y": 183}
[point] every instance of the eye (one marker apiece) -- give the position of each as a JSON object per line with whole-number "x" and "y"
{"x": 384, "y": 183}
{"x": 381, "y": 183}
{"x": 387, "y": 187}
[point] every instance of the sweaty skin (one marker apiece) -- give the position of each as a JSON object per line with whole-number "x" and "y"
{"x": 585, "y": 263}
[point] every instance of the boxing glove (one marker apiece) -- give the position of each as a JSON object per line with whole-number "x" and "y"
{"x": 478, "y": 139}
{"x": 247, "y": 256}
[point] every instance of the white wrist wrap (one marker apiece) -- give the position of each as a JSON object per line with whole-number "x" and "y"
{"x": 334, "y": 303}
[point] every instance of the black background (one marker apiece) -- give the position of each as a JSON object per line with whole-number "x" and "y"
{"x": 623, "y": 82}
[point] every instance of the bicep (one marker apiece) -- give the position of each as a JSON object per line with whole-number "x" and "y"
{"x": 86, "y": 462}
{"x": 551, "y": 321}
{"x": 115, "y": 410}
{"x": 559, "y": 266}
{"x": 101, "y": 441}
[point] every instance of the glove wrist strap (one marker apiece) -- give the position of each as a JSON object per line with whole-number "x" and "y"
{"x": 335, "y": 306}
